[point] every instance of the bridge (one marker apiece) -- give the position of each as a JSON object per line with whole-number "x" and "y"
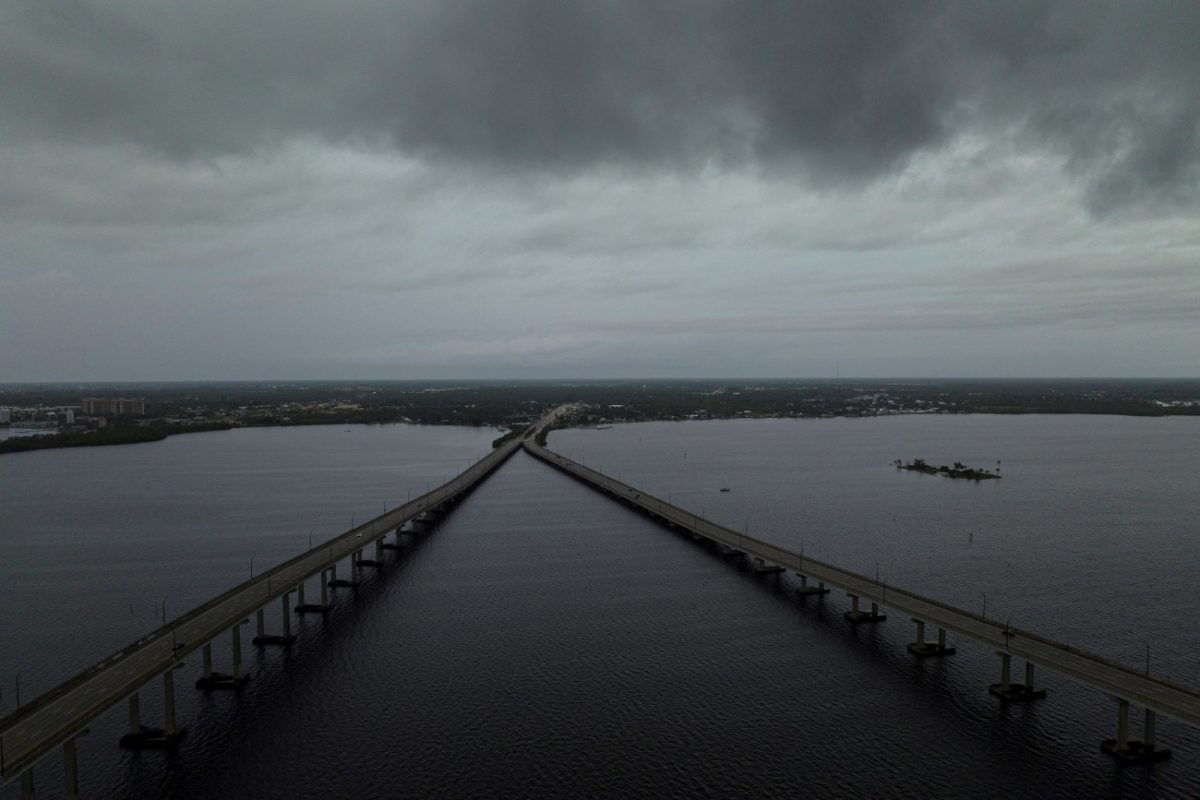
{"x": 57, "y": 717}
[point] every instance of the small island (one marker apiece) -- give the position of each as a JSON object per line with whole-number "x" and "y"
{"x": 958, "y": 470}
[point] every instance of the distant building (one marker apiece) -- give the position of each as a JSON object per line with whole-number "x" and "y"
{"x": 5, "y": 416}
{"x": 113, "y": 407}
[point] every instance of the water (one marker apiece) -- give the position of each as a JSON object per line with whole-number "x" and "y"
{"x": 547, "y": 642}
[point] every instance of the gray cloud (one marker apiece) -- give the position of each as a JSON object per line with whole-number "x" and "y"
{"x": 834, "y": 91}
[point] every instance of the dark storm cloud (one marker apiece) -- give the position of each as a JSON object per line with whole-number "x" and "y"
{"x": 837, "y": 91}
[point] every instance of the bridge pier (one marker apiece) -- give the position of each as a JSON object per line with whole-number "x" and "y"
{"x": 312, "y": 608}
{"x": 1131, "y": 751}
{"x": 219, "y": 680}
{"x": 805, "y": 590}
{"x": 1011, "y": 692}
{"x": 142, "y": 737}
{"x": 856, "y": 616}
{"x": 923, "y": 649}
{"x": 350, "y": 582}
{"x": 286, "y": 637}
{"x": 71, "y": 766}
{"x": 761, "y": 567}
{"x": 391, "y": 546}
{"x": 367, "y": 562}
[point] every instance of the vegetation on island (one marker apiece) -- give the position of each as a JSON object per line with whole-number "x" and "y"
{"x": 115, "y": 434}
{"x": 958, "y": 470}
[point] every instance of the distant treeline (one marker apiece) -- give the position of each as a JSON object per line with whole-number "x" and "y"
{"x": 100, "y": 437}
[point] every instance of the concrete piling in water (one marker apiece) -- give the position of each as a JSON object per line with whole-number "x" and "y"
{"x": 286, "y": 638}
{"x": 1010, "y": 692}
{"x": 71, "y": 766}
{"x": 804, "y": 590}
{"x": 923, "y": 649}
{"x": 143, "y": 737}
{"x": 856, "y": 616}
{"x": 211, "y": 679}
{"x": 1132, "y": 751}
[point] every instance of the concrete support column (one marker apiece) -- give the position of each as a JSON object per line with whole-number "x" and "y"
{"x": 169, "y": 702}
{"x": 28, "y": 792}
{"x": 135, "y": 713}
{"x": 856, "y": 616}
{"x": 1122, "y": 724}
{"x": 300, "y": 593}
{"x": 1011, "y": 692}
{"x": 208, "y": 660}
{"x": 923, "y": 649}
{"x": 71, "y": 762}
{"x": 324, "y": 590}
{"x": 237, "y": 651}
{"x": 262, "y": 625}
{"x": 1131, "y": 751}
{"x": 398, "y": 527}
{"x": 333, "y": 571}
{"x": 287, "y": 614}
{"x": 379, "y": 549}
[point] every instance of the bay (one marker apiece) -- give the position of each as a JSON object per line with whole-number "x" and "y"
{"x": 547, "y": 642}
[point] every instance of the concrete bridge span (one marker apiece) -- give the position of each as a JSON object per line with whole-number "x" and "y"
{"x": 54, "y": 719}
{"x": 1124, "y": 684}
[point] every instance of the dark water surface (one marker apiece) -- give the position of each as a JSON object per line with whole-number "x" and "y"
{"x": 546, "y": 642}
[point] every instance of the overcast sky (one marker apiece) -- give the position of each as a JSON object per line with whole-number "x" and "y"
{"x": 544, "y": 188}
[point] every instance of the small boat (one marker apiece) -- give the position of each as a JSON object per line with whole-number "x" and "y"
{"x": 724, "y": 488}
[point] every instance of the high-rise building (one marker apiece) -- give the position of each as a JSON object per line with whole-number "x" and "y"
{"x": 113, "y": 407}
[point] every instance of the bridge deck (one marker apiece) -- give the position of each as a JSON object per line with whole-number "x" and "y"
{"x": 33, "y": 730}
{"x": 1172, "y": 699}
